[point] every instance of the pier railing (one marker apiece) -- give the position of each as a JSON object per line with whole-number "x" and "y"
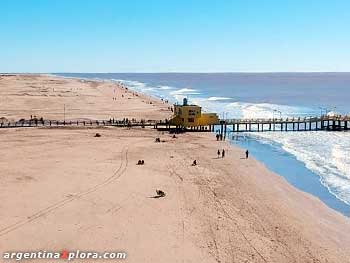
{"x": 290, "y": 119}
{"x": 329, "y": 123}
{"x": 78, "y": 123}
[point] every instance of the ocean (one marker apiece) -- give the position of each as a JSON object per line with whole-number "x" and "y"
{"x": 314, "y": 162}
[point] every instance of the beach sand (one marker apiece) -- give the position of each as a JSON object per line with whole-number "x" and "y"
{"x": 63, "y": 188}
{"x": 23, "y": 96}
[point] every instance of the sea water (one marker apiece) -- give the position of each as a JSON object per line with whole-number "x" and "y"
{"x": 314, "y": 162}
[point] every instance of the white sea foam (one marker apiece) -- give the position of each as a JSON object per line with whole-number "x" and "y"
{"x": 324, "y": 153}
{"x": 165, "y": 87}
{"x": 252, "y": 110}
{"x": 217, "y": 98}
{"x": 134, "y": 84}
{"x": 184, "y": 91}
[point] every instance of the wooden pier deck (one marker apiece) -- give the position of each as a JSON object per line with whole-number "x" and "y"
{"x": 326, "y": 123}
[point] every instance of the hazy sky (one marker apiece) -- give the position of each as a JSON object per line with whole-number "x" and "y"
{"x": 174, "y": 35}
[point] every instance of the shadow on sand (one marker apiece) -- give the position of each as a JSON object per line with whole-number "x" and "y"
{"x": 156, "y": 196}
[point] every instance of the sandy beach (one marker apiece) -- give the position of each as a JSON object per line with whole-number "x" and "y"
{"x": 52, "y": 97}
{"x": 64, "y": 189}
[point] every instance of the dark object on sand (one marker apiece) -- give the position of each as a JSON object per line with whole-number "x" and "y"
{"x": 194, "y": 163}
{"x": 157, "y": 139}
{"x": 141, "y": 162}
{"x": 246, "y": 154}
{"x": 97, "y": 135}
{"x": 160, "y": 193}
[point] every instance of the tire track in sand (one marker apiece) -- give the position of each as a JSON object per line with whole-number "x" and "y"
{"x": 116, "y": 175}
{"x": 178, "y": 181}
{"x": 227, "y": 215}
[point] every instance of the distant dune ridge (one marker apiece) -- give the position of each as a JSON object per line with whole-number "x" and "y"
{"x": 67, "y": 189}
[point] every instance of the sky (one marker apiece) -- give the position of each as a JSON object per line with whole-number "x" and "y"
{"x": 49, "y": 36}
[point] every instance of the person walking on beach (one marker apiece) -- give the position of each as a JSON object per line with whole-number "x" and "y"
{"x": 246, "y": 154}
{"x": 218, "y": 153}
{"x": 217, "y": 137}
{"x": 223, "y": 153}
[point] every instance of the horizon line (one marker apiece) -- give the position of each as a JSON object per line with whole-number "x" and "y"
{"x": 186, "y": 72}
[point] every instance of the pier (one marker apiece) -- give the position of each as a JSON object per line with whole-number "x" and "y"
{"x": 322, "y": 123}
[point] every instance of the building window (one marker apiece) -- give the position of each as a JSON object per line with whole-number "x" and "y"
{"x": 192, "y": 112}
{"x": 190, "y": 119}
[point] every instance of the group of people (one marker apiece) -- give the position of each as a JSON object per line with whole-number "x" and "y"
{"x": 35, "y": 119}
{"x": 141, "y": 162}
{"x": 123, "y": 121}
{"x": 222, "y": 153}
{"x": 220, "y": 137}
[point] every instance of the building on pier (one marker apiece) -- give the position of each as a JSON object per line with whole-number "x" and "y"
{"x": 187, "y": 115}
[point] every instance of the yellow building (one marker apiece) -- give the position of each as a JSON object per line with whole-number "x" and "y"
{"x": 191, "y": 116}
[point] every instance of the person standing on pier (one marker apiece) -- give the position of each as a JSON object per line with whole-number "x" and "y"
{"x": 246, "y": 154}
